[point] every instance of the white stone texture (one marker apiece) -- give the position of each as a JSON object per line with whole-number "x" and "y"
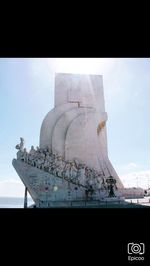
{"x": 70, "y": 129}
{"x": 49, "y": 123}
{"x": 86, "y": 89}
{"x": 61, "y": 127}
{"x": 41, "y": 185}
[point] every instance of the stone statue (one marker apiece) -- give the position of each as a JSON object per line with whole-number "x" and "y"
{"x": 81, "y": 174}
{"x": 46, "y": 165}
{"x": 25, "y": 155}
{"x": 73, "y": 171}
{"x": 20, "y": 148}
{"x": 60, "y": 166}
{"x": 21, "y": 145}
{"x": 67, "y": 170}
{"x": 31, "y": 156}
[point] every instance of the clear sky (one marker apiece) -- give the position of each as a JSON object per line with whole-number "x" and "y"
{"x": 27, "y": 95}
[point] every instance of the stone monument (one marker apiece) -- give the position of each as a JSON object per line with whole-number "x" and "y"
{"x": 71, "y": 164}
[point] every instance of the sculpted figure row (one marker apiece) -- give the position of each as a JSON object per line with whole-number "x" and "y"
{"x": 55, "y": 164}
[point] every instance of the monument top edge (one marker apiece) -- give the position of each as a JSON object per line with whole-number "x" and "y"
{"x": 76, "y": 74}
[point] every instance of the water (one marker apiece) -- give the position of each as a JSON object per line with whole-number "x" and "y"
{"x": 9, "y": 202}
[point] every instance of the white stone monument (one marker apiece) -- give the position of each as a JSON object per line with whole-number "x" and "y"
{"x": 71, "y": 164}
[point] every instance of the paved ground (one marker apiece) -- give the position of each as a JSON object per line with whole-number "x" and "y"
{"x": 143, "y": 201}
{"x": 129, "y": 203}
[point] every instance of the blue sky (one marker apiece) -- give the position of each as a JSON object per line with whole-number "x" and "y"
{"x": 27, "y": 94}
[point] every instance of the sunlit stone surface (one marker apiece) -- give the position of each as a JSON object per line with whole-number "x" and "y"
{"x": 76, "y": 127}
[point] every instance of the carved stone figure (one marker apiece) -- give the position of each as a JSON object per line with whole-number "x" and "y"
{"x": 73, "y": 170}
{"x": 67, "y": 170}
{"x": 60, "y": 167}
{"x": 38, "y": 163}
{"x": 103, "y": 184}
{"x": 46, "y": 165}
{"x": 31, "y": 156}
{"x": 25, "y": 155}
{"x": 81, "y": 174}
{"x": 20, "y": 146}
{"x": 20, "y": 155}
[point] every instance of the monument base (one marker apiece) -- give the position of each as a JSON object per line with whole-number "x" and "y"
{"x": 48, "y": 190}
